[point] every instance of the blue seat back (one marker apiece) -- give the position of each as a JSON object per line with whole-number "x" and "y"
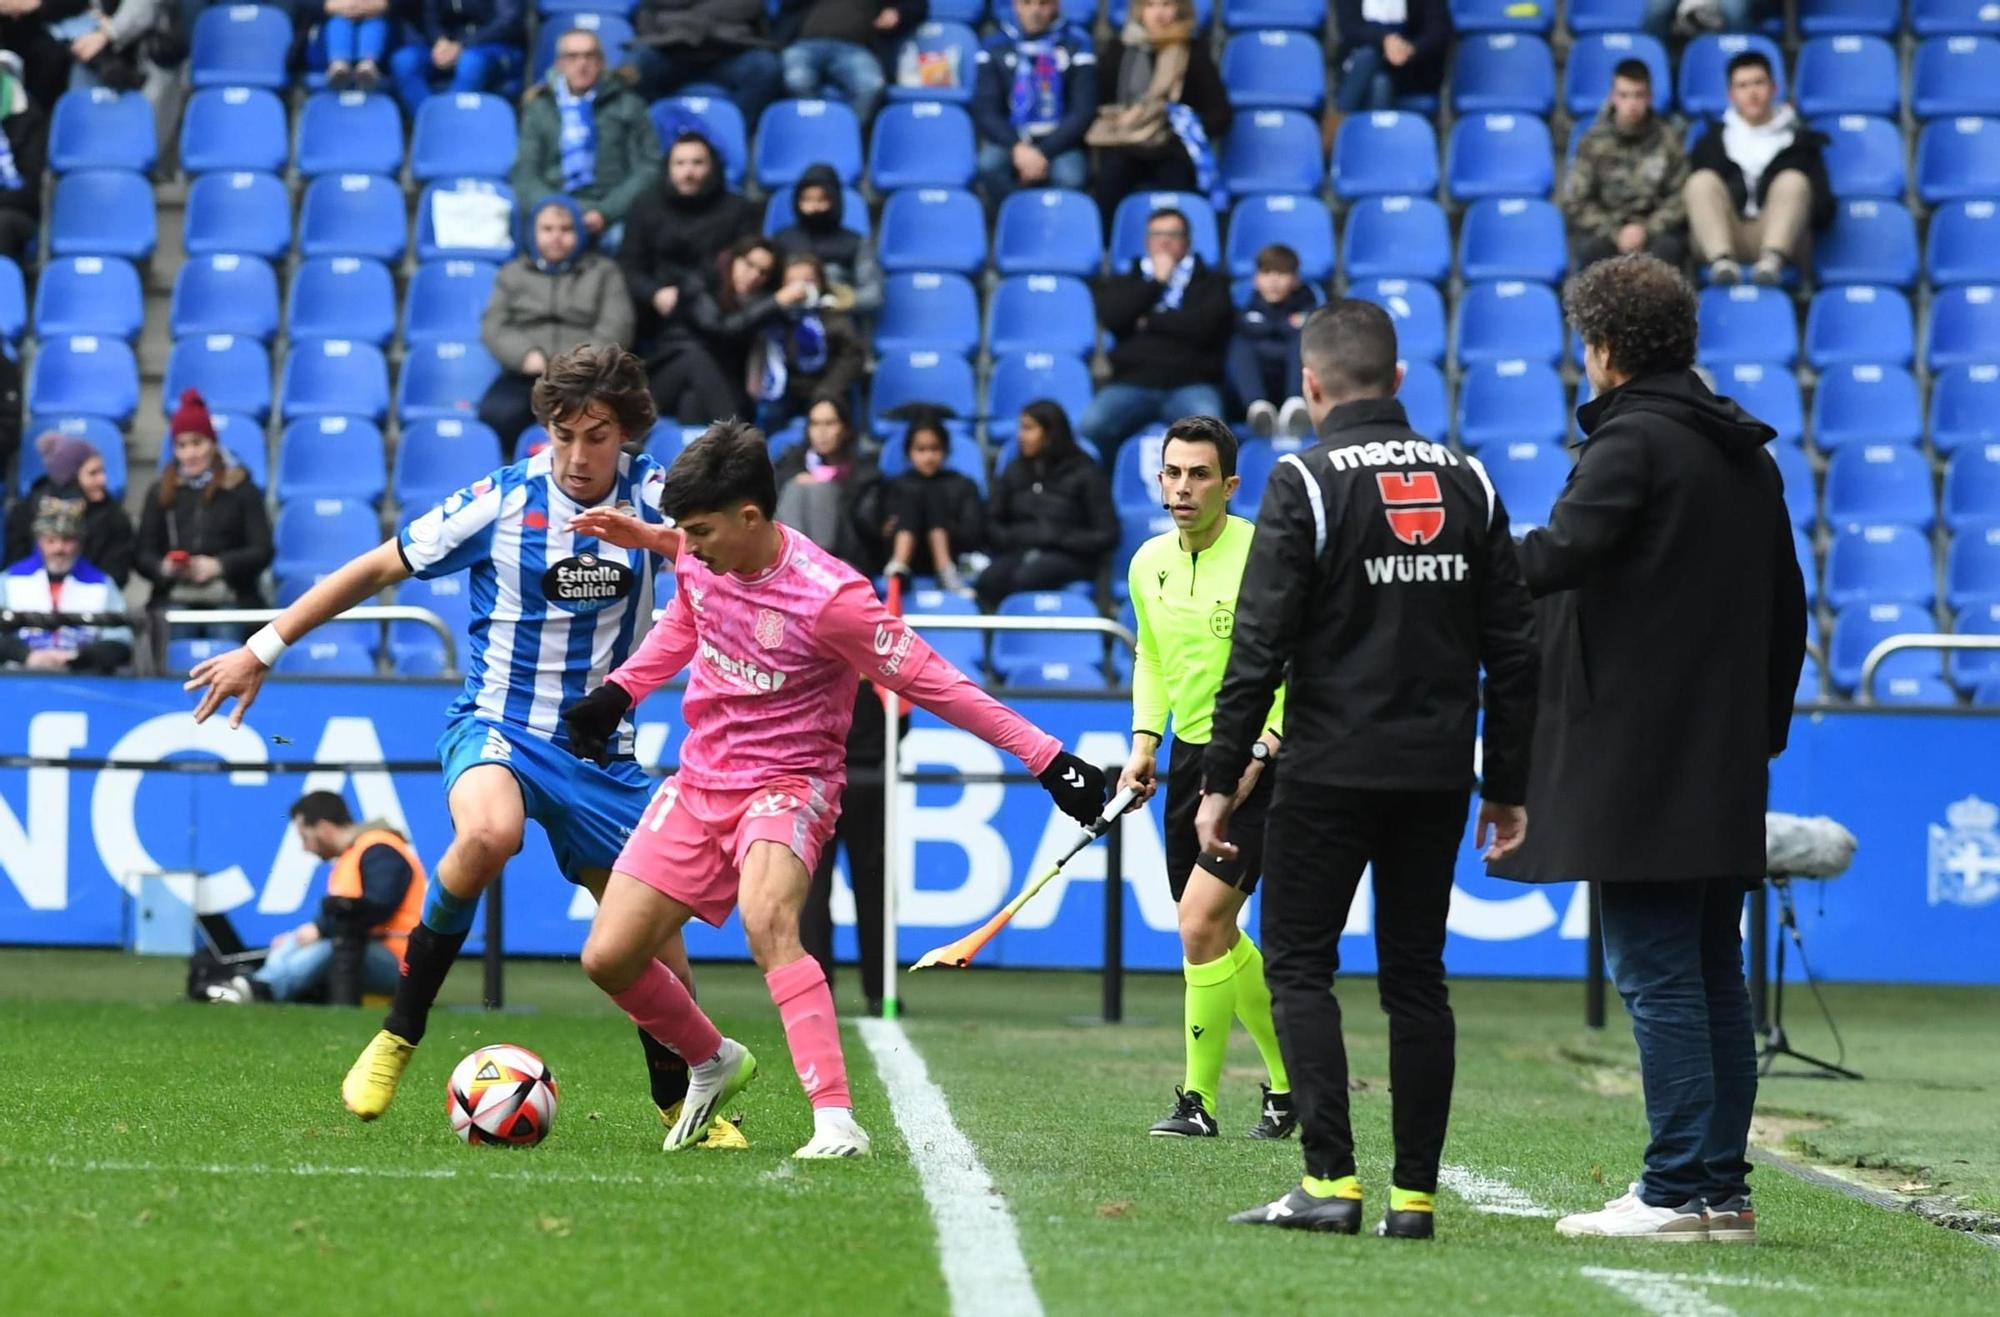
{"x": 1499, "y": 155}
{"x": 353, "y": 215}
{"x": 334, "y": 377}
{"x": 1972, "y": 488}
{"x": 436, "y": 456}
{"x": 1873, "y": 242}
{"x": 1859, "y": 323}
{"x": 241, "y": 46}
{"x": 1527, "y": 476}
{"x": 315, "y": 535}
{"x": 103, "y": 212}
{"x": 343, "y": 297}
{"x": 935, "y": 229}
{"x": 238, "y": 213}
{"x": 1747, "y": 323}
{"x": 1704, "y": 77}
{"x": 1865, "y": 403}
{"x": 716, "y": 119}
{"x": 444, "y": 379}
{"x": 1509, "y": 318}
{"x": 1964, "y": 326}
{"x": 1959, "y": 159}
{"x": 1385, "y": 153}
{"x": 1274, "y": 69}
{"x": 1042, "y": 313}
{"x": 1511, "y": 401}
{"x": 1965, "y": 406}
{"x": 1964, "y": 243}
{"x": 225, "y": 294}
{"x": 926, "y": 309}
{"x": 1272, "y": 150}
{"x": 1396, "y": 238}
{"x": 1020, "y": 380}
{"x": 1769, "y": 393}
{"x": 97, "y": 128}
{"x": 1954, "y": 75}
{"x": 1513, "y": 238}
{"x": 1592, "y": 57}
{"x": 89, "y": 295}
{"x": 1848, "y": 75}
{"x": 794, "y": 134}
{"x": 1417, "y": 310}
{"x": 1503, "y": 73}
{"x": 350, "y": 132}
{"x": 1048, "y": 231}
{"x": 1879, "y": 485}
{"x": 234, "y": 128}
{"x": 232, "y": 371}
{"x": 465, "y": 134}
{"x": 1302, "y": 223}
{"x": 330, "y": 456}
{"x": 1864, "y": 157}
{"x": 921, "y": 144}
{"x": 1880, "y": 564}
{"x": 924, "y": 376}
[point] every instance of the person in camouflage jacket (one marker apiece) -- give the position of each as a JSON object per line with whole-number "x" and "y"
{"x": 1623, "y": 193}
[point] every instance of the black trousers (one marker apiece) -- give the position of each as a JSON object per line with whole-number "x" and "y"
{"x": 509, "y": 408}
{"x": 689, "y": 386}
{"x": 1121, "y": 173}
{"x": 859, "y": 832}
{"x": 1318, "y": 841}
{"x": 1030, "y": 569}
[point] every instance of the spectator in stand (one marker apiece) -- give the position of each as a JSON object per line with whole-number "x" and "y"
{"x": 56, "y": 577}
{"x": 356, "y": 34}
{"x": 805, "y": 350}
{"x": 853, "y": 276}
{"x": 74, "y": 473}
{"x": 1264, "y": 352}
{"x": 698, "y": 365}
{"x": 932, "y": 509}
{"x": 1691, "y": 18}
{"x": 720, "y": 41}
{"x": 460, "y": 45}
{"x": 112, "y": 50}
{"x": 1033, "y": 100}
{"x": 35, "y": 36}
{"x": 1623, "y": 193}
{"x": 1759, "y": 181}
{"x": 555, "y": 296}
{"x": 585, "y": 134}
{"x": 830, "y": 491}
{"x": 204, "y": 540}
{"x": 1162, "y": 108}
{"x": 1172, "y": 318}
{"x": 1050, "y": 520}
{"x": 1388, "y": 49}
{"x": 677, "y": 231}
{"x": 24, "y": 153}
{"x": 841, "y": 49}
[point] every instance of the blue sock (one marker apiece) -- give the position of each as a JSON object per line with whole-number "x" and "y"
{"x": 445, "y": 913}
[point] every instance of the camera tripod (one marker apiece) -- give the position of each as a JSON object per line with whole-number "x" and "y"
{"x": 1766, "y": 990}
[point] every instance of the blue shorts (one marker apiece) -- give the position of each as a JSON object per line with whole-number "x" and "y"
{"x": 587, "y": 811}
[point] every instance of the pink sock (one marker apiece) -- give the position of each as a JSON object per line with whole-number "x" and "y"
{"x": 805, "y": 1004}
{"x": 660, "y": 1004}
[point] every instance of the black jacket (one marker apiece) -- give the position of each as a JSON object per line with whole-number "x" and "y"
{"x": 1427, "y": 26}
{"x": 1065, "y": 506}
{"x": 226, "y": 520}
{"x": 671, "y": 239}
{"x": 28, "y": 138}
{"x": 848, "y": 257}
{"x": 109, "y": 542}
{"x": 1804, "y": 155}
{"x": 852, "y": 21}
{"x": 1166, "y": 349}
{"x": 702, "y": 29}
{"x": 1679, "y": 624}
{"x": 1382, "y": 579}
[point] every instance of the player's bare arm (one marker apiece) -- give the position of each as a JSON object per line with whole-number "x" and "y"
{"x": 627, "y": 531}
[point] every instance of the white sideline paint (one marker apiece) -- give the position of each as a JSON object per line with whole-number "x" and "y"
{"x": 1488, "y": 1195}
{"x": 979, "y": 1249}
{"x": 1679, "y": 1294}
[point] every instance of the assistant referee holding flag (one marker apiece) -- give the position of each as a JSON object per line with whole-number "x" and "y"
{"x": 1183, "y": 586}
{"x": 1381, "y": 580}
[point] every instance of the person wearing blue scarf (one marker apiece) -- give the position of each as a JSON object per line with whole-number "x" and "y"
{"x": 585, "y": 133}
{"x": 1033, "y": 98}
{"x": 808, "y": 350}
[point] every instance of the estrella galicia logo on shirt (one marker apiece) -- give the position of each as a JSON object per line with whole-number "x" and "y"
{"x": 1404, "y": 495}
{"x": 587, "y": 583}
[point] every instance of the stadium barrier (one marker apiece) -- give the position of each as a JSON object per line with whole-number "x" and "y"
{"x": 1865, "y": 690}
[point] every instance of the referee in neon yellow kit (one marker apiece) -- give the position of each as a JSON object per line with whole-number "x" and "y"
{"x": 1183, "y": 586}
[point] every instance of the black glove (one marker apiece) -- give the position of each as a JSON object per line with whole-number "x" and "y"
{"x": 1077, "y": 786}
{"x": 593, "y": 721}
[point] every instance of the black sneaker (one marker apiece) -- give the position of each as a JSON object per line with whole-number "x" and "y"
{"x": 1299, "y": 1210}
{"x": 1280, "y": 1118}
{"x": 1189, "y": 1121}
{"x": 1407, "y": 1225}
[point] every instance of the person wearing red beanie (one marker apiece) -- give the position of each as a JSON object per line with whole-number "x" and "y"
{"x": 204, "y": 537}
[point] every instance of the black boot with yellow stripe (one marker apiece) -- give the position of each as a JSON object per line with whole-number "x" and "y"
{"x": 1411, "y": 1215}
{"x": 1331, "y": 1207}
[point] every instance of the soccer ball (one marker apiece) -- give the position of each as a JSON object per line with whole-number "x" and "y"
{"x": 502, "y": 1094}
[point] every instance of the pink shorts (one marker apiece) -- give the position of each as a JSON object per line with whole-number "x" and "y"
{"x": 690, "y": 842}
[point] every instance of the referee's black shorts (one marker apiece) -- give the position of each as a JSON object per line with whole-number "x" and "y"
{"x": 1246, "y": 828}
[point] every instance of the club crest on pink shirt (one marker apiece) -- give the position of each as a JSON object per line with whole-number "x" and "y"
{"x": 770, "y": 628}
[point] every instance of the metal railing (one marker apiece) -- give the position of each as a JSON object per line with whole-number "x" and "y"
{"x": 1865, "y": 691}
{"x": 383, "y": 614}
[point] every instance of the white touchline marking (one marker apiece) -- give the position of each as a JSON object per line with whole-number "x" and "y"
{"x": 979, "y": 1248}
{"x": 1679, "y": 1294}
{"x": 1489, "y": 1195}
{"x": 310, "y": 1170}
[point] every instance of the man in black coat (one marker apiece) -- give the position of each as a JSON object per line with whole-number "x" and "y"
{"x": 726, "y": 42}
{"x": 1758, "y": 181}
{"x": 677, "y": 232}
{"x": 1671, "y": 651}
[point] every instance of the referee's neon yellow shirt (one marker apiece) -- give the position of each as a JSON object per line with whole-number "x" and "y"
{"x": 1186, "y": 607}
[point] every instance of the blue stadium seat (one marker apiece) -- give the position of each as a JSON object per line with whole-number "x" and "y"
{"x": 946, "y": 53}
{"x": 1503, "y": 73}
{"x": 1128, "y": 226}
{"x": 1769, "y": 393}
{"x": 1880, "y": 485}
{"x": 225, "y": 294}
{"x": 182, "y": 655}
{"x": 1979, "y": 667}
{"x": 924, "y": 309}
{"x": 99, "y": 431}
{"x": 1385, "y": 153}
{"x": 446, "y": 300}
{"x": 1425, "y": 400}
{"x": 1954, "y": 75}
{"x": 1528, "y": 477}
{"x": 243, "y": 441}
{"x": 1272, "y": 151}
{"x": 103, "y": 212}
{"x": 1747, "y": 323}
{"x": 1858, "y": 630}
{"x": 1251, "y": 15}
{"x": 1864, "y": 157}
{"x": 1417, "y": 310}
{"x": 1810, "y": 678}
{"x": 1959, "y": 158}
{"x": 1972, "y": 569}
{"x": 1869, "y": 242}
{"x": 342, "y": 297}
{"x": 933, "y": 229}
{"x": 89, "y": 295}
{"x": 964, "y": 650}
{"x": 353, "y": 215}
{"x": 1883, "y": 564}
{"x": 1255, "y": 459}
{"x": 334, "y": 377}
{"x": 1865, "y": 404}
{"x": 241, "y": 46}
{"x": 1396, "y": 238}
{"x": 1513, "y": 238}
{"x": 924, "y": 376}
{"x": 1501, "y": 16}
{"x": 717, "y": 119}
{"x": 438, "y": 455}
{"x": 1048, "y": 231}
{"x": 330, "y": 457}
{"x": 1135, "y": 470}
{"x": 667, "y": 439}
{"x": 1823, "y": 17}
{"x": 1033, "y": 313}
{"x": 794, "y": 134}
{"x": 1859, "y": 323}
{"x": 1055, "y": 675}
{"x": 1964, "y": 326}
{"x": 1964, "y": 244}
{"x": 1499, "y": 155}
{"x": 102, "y": 129}
{"x": 230, "y": 128}
{"x": 1135, "y": 527}
{"x": 13, "y": 302}
{"x": 315, "y": 535}
{"x": 1945, "y": 18}
{"x": 350, "y": 132}
{"x": 1704, "y": 77}
{"x": 614, "y": 33}
{"x": 1802, "y": 550}
{"x": 1587, "y": 72}
{"x": 1924, "y": 690}
{"x": 414, "y": 649}
{"x": 1971, "y": 496}
{"x": 1587, "y": 16}
{"x": 1019, "y": 652}
{"x": 1509, "y": 318}
{"x": 1274, "y": 69}
{"x": 241, "y": 214}
{"x": 921, "y": 144}
{"x": 1846, "y": 75}
{"x": 779, "y": 215}
{"x": 1020, "y": 380}
{"x": 1511, "y": 401}
{"x": 464, "y": 134}
{"x": 1302, "y": 223}
{"x": 490, "y": 240}
{"x": 336, "y": 649}
{"x": 1800, "y": 500}
{"x": 443, "y": 379}
{"x": 232, "y": 371}
{"x": 1965, "y": 407}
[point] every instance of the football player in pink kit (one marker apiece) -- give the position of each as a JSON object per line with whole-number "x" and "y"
{"x": 778, "y": 632}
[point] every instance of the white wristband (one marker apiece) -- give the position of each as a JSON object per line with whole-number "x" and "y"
{"x": 267, "y": 645}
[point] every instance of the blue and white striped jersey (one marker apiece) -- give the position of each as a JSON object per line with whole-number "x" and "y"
{"x": 552, "y": 612}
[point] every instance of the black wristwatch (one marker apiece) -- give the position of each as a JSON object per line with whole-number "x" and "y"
{"x": 1260, "y": 752}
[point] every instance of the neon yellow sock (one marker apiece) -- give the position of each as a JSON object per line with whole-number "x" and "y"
{"x": 1411, "y": 1200}
{"x": 1253, "y": 1007}
{"x": 1347, "y": 1186}
{"x": 1211, "y": 999}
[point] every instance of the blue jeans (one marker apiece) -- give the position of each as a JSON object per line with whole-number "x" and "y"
{"x": 835, "y": 70}
{"x": 1120, "y": 411}
{"x": 1737, "y": 15}
{"x": 479, "y": 68}
{"x": 1675, "y": 950}
{"x": 1364, "y": 82}
{"x": 753, "y": 78}
{"x": 349, "y": 41}
{"x": 1069, "y": 170}
{"x": 293, "y": 971}
{"x": 1262, "y": 370}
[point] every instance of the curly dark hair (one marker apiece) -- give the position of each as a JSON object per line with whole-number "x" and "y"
{"x": 602, "y": 374}
{"x": 1639, "y": 310}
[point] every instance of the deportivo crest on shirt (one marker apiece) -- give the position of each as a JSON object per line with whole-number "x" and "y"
{"x": 770, "y": 629}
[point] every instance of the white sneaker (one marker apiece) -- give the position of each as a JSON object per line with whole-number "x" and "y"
{"x": 1263, "y": 418}
{"x": 1294, "y": 419}
{"x": 1631, "y": 1218}
{"x": 835, "y": 1134}
{"x": 711, "y": 1084}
